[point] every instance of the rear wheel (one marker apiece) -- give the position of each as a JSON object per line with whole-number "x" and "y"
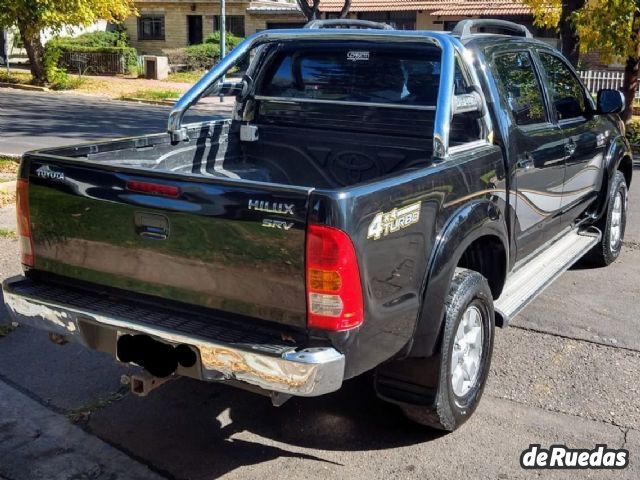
{"x": 467, "y": 346}
{"x": 612, "y": 224}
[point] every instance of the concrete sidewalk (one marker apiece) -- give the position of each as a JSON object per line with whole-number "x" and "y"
{"x": 51, "y": 448}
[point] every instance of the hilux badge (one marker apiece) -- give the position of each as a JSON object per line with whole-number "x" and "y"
{"x": 45, "y": 172}
{"x": 271, "y": 207}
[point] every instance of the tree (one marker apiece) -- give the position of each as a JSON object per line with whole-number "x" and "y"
{"x": 613, "y": 28}
{"x": 33, "y": 16}
{"x": 610, "y": 26}
{"x": 311, "y": 11}
{"x": 556, "y": 14}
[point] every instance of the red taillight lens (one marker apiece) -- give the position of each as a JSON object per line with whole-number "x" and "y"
{"x": 153, "y": 188}
{"x": 24, "y": 223}
{"x": 334, "y": 292}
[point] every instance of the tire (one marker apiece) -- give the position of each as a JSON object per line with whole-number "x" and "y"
{"x": 469, "y": 292}
{"x": 612, "y": 224}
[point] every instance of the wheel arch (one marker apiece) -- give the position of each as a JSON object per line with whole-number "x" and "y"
{"x": 618, "y": 158}
{"x": 462, "y": 242}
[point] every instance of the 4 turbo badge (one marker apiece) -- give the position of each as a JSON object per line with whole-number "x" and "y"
{"x": 385, "y": 223}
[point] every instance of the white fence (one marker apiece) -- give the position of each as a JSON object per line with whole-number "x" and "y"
{"x": 598, "y": 79}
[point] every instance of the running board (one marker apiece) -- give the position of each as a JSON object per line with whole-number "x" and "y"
{"x": 530, "y": 280}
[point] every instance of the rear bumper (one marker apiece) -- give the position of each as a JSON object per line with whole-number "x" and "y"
{"x": 222, "y": 354}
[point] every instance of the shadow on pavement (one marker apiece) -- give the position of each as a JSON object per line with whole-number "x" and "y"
{"x": 188, "y": 428}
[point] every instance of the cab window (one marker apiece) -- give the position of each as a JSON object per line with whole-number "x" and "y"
{"x": 519, "y": 85}
{"x": 565, "y": 90}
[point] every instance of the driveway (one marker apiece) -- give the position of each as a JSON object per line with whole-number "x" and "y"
{"x": 565, "y": 372}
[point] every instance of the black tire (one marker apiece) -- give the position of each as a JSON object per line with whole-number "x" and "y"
{"x": 450, "y": 411}
{"x": 606, "y": 252}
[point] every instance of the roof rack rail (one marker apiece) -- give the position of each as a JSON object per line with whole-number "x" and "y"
{"x": 346, "y": 23}
{"x": 463, "y": 28}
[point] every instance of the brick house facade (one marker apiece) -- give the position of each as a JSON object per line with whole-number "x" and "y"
{"x": 177, "y": 23}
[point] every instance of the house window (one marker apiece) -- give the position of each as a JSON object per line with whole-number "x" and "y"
{"x": 234, "y": 24}
{"x": 398, "y": 20}
{"x": 151, "y": 27}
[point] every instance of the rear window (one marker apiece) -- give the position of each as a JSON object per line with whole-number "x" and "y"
{"x": 370, "y": 75}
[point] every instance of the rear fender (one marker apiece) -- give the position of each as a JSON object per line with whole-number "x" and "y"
{"x": 467, "y": 224}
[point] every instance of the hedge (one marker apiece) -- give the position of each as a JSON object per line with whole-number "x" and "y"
{"x": 203, "y": 56}
{"x": 56, "y": 47}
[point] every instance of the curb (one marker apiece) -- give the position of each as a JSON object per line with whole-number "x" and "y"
{"x": 165, "y": 103}
{"x": 21, "y": 86}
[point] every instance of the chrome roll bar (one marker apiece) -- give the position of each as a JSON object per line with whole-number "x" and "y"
{"x": 447, "y": 44}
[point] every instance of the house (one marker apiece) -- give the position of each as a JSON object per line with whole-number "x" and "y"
{"x": 178, "y": 23}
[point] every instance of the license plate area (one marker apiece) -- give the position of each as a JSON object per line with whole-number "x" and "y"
{"x": 161, "y": 359}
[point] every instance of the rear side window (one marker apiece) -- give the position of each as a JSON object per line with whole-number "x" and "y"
{"x": 519, "y": 86}
{"x": 565, "y": 90}
{"x": 368, "y": 75}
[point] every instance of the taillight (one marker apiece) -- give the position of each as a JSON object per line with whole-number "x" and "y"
{"x": 24, "y": 222}
{"x": 334, "y": 292}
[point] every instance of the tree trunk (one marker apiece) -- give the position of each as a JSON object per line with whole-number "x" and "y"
{"x": 309, "y": 11}
{"x": 630, "y": 86}
{"x": 631, "y": 69}
{"x": 35, "y": 52}
{"x": 345, "y": 9}
{"x": 568, "y": 35}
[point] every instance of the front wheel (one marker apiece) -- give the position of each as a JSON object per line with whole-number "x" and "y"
{"x": 467, "y": 346}
{"x": 612, "y": 224}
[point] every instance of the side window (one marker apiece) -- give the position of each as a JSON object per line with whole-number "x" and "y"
{"x": 565, "y": 90}
{"x": 519, "y": 85}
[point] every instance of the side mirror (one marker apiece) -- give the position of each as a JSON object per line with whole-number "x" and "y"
{"x": 610, "y": 101}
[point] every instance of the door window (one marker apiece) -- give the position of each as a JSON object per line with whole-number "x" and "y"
{"x": 566, "y": 93}
{"x": 519, "y": 85}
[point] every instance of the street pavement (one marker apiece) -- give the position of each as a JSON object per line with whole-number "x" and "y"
{"x": 565, "y": 372}
{"x": 32, "y": 120}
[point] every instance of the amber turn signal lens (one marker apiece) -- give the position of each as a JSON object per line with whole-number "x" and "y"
{"x": 324, "y": 281}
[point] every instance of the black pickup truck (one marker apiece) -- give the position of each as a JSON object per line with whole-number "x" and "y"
{"x": 379, "y": 201}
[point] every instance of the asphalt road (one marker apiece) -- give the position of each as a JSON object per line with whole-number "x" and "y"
{"x": 32, "y": 120}
{"x": 565, "y": 372}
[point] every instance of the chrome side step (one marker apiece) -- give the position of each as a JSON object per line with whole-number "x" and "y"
{"x": 533, "y": 277}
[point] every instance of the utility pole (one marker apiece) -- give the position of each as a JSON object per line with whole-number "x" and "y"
{"x": 223, "y": 36}
{"x": 223, "y": 29}
{"x": 5, "y": 35}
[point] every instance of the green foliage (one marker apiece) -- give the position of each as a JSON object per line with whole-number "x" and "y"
{"x": 15, "y": 77}
{"x": 633, "y": 131}
{"x": 153, "y": 95}
{"x": 187, "y": 76}
{"x": 231, "y": 40}
{"x": 201, "y": 57}
{"x": 611, "y": 26}
{"x": 55, "y": 47}
{"x": 98, "y": 39}
{"x": 36, "y": 15}
{"x": 603, "y": 25}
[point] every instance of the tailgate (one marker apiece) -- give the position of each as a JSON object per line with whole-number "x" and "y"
{"x": 230, "y": 245}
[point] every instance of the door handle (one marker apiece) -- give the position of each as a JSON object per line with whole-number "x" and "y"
{"x": 570, "y": 147}
{"x": 526, "y": 162}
